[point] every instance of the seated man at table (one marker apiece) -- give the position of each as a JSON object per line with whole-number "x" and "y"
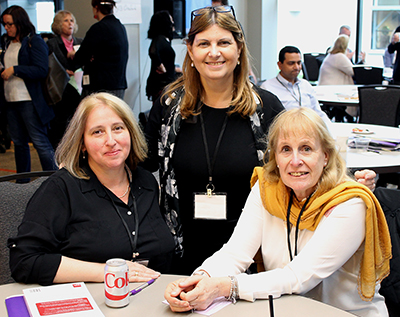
{"x": 292, "y": 91}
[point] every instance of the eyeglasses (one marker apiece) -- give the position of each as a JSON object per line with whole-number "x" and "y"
{"x": 219, "y": 9}
{"x": 7, "y": 24}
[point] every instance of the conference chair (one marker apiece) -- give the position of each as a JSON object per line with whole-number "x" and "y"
{"x": 13, "y": 200}
{"x": 390, "y": 286}
{"x": 311, "y": 65}
{"x": 379, "y": 104}
{"x": 367, "y": 75}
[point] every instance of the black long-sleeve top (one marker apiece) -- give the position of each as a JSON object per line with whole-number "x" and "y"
{"x": 73, "y": 217}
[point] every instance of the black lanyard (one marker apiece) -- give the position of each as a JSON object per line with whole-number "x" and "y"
{"x": 297, "y": 224}
{"x": 210, "y": 165}
{"x": 133, "y": 241}
{"x": 293, "y": 95}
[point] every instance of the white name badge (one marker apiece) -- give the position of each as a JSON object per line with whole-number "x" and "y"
{"x": 211, "y": 207}
{"x": 85, "y": 80}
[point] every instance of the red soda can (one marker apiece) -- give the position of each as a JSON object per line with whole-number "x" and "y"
{"x": 116, "y": 283}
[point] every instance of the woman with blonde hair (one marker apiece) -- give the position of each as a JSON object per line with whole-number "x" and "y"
{"x": 206, "y": 133}
{"x": 64, "y": 27}
{"x": 99, "y": 206}
{"x": 337, "y": 69}
{"x": 322, "y": 234}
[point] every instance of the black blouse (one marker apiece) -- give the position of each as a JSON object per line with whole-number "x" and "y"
{"x": 76, "y": 218}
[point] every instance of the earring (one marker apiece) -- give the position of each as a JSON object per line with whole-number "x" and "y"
{"x": 192, "y": 65}
{"x": 84, "y": 155}
{"x": 277, "y": 166}
{"x": 238, "y": 62}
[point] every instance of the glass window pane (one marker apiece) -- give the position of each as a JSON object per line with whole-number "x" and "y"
{"x": 383, "y": 24}
{"x": 387, "y": 2}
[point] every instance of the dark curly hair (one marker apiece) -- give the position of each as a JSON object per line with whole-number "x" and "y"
{"x": 160, "y": 24}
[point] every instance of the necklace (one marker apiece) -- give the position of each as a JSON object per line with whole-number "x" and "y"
{"x": 124, "y": 194}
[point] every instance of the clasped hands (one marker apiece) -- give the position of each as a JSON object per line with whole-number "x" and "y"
{"x": 196, "y": 292}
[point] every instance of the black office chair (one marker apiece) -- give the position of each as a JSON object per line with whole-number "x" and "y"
{"x": 390, "y": 286}
{"x": 311, "y": 65}
{"x": 367, "y": 75}
{"x": 13, "y": 200}
{"x": 379, "y": 104}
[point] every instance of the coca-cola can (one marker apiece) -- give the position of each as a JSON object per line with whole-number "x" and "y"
{"x": 116, "y": 283}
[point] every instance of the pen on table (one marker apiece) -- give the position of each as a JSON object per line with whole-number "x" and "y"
{"x": 141, "y": 287}
{"x": 271, "y": 306}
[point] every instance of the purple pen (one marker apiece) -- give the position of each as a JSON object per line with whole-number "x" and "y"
{"x": 141, "y": 287}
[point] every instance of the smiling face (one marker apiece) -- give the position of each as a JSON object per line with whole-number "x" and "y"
{"x": 301, "y": 160}
{"x": 106, "y": 140}
{"x": 291, "y": 66}
{"x": 68, "y": 24}
{"x": 10, "y": 27}
{"x": 215, "y": 54}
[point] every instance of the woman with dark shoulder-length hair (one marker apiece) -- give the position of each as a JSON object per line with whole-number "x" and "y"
{"x": 162, "y": 55}
{"x": 99, "y": 206}
{"x": 25, "y": 58}
{"x": 103, "y": 53}
{"x": 209, "y": 125}
{"x": 322, "y": 234}
{"x": 64, "y": 26}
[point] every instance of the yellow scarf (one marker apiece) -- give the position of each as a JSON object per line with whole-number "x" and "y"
{"x": 377, "y": 252}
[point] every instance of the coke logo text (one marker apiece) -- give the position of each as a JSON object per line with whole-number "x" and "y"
{"x": 119, "y": 282}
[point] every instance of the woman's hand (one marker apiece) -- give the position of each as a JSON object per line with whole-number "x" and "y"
{"x": 7, "y": 73}
{"x": 366, "y": 177}
{"x": 172, "y": 295}
{"x": 141, "y": 273}
{"x": 161, "y": 69}
{"x": 196, "y": 292}
{"x": 70, "y": 72}
{"x": 71, "y": 54}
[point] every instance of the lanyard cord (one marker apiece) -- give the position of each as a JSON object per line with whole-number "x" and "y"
{"x": 210, "y": 166}
{"x": 133, "y": 241}
{"x": 297, "y": 224}
{"x": 293, "y": 95}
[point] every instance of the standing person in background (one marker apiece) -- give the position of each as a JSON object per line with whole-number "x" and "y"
{"x": 103, "y": 53}
{"x": 25, "y": 58}
{"x": 394, "y": 46}
{"x": 64, "y": 26}
{"x": 345, "y": 29}
{"x": 162, "y": 55}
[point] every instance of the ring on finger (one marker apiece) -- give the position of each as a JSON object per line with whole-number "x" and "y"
{"x": 136, "y": 273}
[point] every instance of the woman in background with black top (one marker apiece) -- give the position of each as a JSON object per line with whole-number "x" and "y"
{"x": 100, "y": 205}
{"x": 162, "y": 55}
{"x": 103, "y": 53}
{"x": 64, "y": 26}
{"x": 210, "y": 124}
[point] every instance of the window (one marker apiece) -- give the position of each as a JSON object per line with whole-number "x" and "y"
{"x": 385, "y": 19}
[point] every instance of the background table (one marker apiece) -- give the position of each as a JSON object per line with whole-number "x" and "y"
{"x": 385, "y": 162}
{"x": 337, "y": 95}
{"x": 148, "y": 303}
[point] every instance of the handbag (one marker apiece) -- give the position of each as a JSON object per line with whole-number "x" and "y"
{"x": 55, "y": 82}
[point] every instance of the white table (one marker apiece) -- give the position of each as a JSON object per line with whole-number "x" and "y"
{"x": 385, "y": 162}
{"x": 148, "y": 303}
{"x": 337, "y": 95}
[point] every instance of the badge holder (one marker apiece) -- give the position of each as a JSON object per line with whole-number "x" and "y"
{"x": 210, "y": 205}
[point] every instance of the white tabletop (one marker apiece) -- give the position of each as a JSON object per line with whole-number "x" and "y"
{"x": 385, "y": 162}
{"x": 148, "y": 303}
{"x": 337, "y": 94}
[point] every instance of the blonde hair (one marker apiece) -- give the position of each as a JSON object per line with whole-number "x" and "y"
{"x": 305, "y": 121}
{"x": 340, "y": 45}
{"x": 243, "y": 101}
{"x": 69, "y": 151}
{"x": 58, "y": 20}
